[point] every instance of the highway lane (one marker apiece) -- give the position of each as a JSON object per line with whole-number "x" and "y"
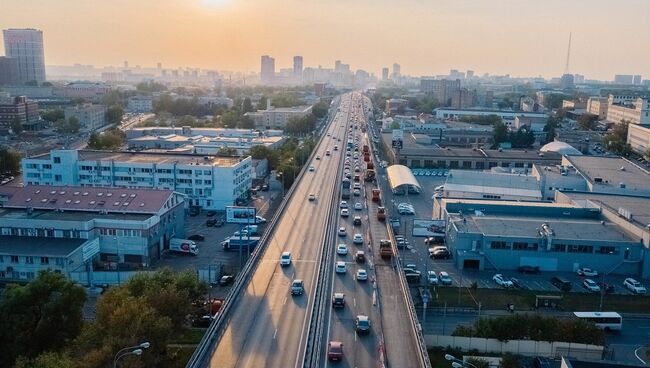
{"x": 268, "y": 326}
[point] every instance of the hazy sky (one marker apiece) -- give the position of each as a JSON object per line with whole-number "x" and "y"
{"x": 427, "y": 37}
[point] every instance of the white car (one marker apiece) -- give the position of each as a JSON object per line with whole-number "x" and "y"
{"x": 588, "y": 272}
{"x": 345, "y": 212}
{"x": 311, "y": 168}
{"x": 342, "y": 249}
{"x": 634, "y": 286}
{"x": 362, "y": 275}
{"x": 432, "y": 277}
{"x": 340, "y": 267}
{"x": 356, "y": 192}
{"x": 312, "y": 197}
{"x": 357, "y": 239}
{"x": 285, "y": 259}
{"x": 444, "y": 278}
{"x": 590, "y": 285}
{"x": 342, "y": 231}
{"x": 502, "y": 281}
{"x": 343, "y": 204}
{"x": 406, "y": 211}
{"x": 358, "y": 206}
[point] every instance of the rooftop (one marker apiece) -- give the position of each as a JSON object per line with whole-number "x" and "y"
{"x": 42, "y": 247}
{"x": 401, "y": 175}
{"x": 493, "y": 183}
{"x": 153, "y": 158}
{"x": 638, "y": 206}
{"x": 611, "y": 172}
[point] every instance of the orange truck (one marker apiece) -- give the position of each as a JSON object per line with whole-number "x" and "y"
{"x": 381, "y": 213}
{"x": 385, "y": 249}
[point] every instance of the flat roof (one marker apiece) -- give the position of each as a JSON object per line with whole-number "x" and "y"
{"x": 157, "y": 158}
{"x": 491, "y": 179}
{"x": 638, "y": 206}
{"x": 611, "y": 171}
{"x": 36, "y": 246}
{"x": 399, "y": 175}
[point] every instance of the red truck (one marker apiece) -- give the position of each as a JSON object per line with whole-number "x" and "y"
{"x": 366, "y": 149}
{"x": 381, "y": 213}
{"x": 370, "y": 165}
{"x": 375, "y": 195}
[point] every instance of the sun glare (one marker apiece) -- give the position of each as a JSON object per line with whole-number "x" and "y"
{"x": 215, "y": 3}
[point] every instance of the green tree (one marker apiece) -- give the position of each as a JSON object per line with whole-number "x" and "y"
{"x": 262, "y": 152}
{"x": 551, "y": 125}
{"x": 52, "y": 115}
{"x": 47, "y": 360}
{"x": 499, "y": 134}
{"x": 16, "y": 126}
{"x": 111, "y": 139}
{"x": 229, "y": 119}
{"x": 261, "y": 104}
{"x": 554, "y": 100}
{"x": 113, "y": 97}
{"x": 68, "y": 126}
{"x": 245, "y": 122}
{"x": 616, "y": 140}
{"x": 587, "y": 121}
{"x": 247, "y": 105}
{"x": 320, "y": 109}
{"x": 395, "y": 125}
{"x": 44, "y": 315}
{"x": 114, "y": 114}
{"x": 227, "y": 151}
{"x": 150, "y": 86}
{"x": 9, "y": 160}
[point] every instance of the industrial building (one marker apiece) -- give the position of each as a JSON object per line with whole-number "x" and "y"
{"x": 85, "y": 233}
{"x": 210, "y": 182}
{"x": 277, "y": 118}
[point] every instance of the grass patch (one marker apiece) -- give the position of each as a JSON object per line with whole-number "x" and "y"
{"x": 188, "y": 336}
{"x": 179, "y": 356}
{"x": 525, "y": 300}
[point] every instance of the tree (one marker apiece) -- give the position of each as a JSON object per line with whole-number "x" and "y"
{"x": 245, "y": 122}
{"x": 227, "y": 151}
{"x": 114, "y": 114}
{"x": 229, "y": 119}
{"x": 46, "y": 360}
{"x": 587, "y": 121}
{"x": 150, "y": 86}
{"x": 554, "y": 100}
{"x": 616, "y": 140}
{"x": 16, "y": 125}
{"x": 551, "y": 125}
{"x": 261, "y": 104}
{"x": 320, "y": 109}
{"x": 71, "y": 125}
{"x": 44, "y": 315}
{"x": 261, "y": 152}
{"x": 9, "y": 160}
{"x": 52, "y": 115}
{"x": 510, "y": 361}
{"x": 109, "y": 140}
{"x": 247, "y": 105}
{"x": 395, "y": 125}
{"x": 500, "y": 134}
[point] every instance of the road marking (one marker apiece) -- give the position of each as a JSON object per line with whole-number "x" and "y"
{"x": 636, "y": 354}
{"x": 354, "y": 302}
{"x": 275, "y": 333}
{"x": 284, "y": 301}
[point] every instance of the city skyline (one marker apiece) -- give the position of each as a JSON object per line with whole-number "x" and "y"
{"x": 505, "y": 37}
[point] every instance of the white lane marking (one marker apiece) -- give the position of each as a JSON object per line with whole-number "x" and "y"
{"x": 284, "y": 301}
{"x": 636, "y": 354}
{"x": 275, "y": 333}
{"x": 354, "y": 301}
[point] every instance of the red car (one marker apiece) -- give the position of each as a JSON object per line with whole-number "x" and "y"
{"x": 335, "y": 351}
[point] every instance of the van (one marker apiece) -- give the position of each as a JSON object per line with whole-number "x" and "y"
{"x": 561, "y": 283}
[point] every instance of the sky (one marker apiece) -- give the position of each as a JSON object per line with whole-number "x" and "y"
{"x": 427, "y": 37}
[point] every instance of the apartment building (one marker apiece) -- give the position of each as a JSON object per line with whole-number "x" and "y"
{"x": 210, "y": 182}
{"x": 90, "y": 116}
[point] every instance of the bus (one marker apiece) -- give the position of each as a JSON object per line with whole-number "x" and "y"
{"x": 608, "y": 321}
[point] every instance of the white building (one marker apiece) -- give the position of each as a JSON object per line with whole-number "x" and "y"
{"x": 636, "y": 112}
{"x": 83, "y": 232}
{"x": 140, "y": 104}
{"x": 598, "y": 106}
{"x": 202, "y": 145}
{"x": 205, "y": 132}
{"x": 507, "y": 115}
{"x": 638, "y": 137}
{"x": 277, "y": 118}
{"x": 91, "y": 117}
{"x": 534, "y": 124}
{"x": 209, "y": 182}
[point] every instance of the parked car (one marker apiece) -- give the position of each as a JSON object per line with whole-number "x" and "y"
{"x": 528, "y": 269}
{"x": 502, "y": 281}
{"x": 591, "y": 285}
{"x": 211, "y": 213}
{"x": 516, "y": 283}
{"x": 196, "y": 237}
{"x": 226, "y": 280}
{"x": 561, "y": 283}
{"x": 587, "y": 272}
{"x": 634, "y": 286}
{"x": 444, "y": 278}
{"x": 432, "y": 277}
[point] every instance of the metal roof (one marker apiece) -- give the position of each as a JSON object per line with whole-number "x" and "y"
{"x": 399, "y": 175}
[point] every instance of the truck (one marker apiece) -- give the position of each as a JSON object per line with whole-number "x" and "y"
{"x": 385, "y": 249}
{"x": 345, "y": 189}
{"x": 246, "y": 230}
{"x": 236, "y": 242}
{"x": 376, "y": 192}
{"x": 370, "y": 165}
{"x": 183, "y": 246}
{"x": 366, "y": 157}
{"x": 381, "y": 213}
{"x": 369, "y": 175}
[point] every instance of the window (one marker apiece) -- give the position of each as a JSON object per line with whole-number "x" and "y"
{"x": 525, "y": 246}
{"x": 57, "y": 177}
{"x": 499, "y": 245}
{"x": 580, "y": 248}
{"x": 29, "y": 260}
{"x": 57, "y": 160}
{"x": 14, "y": 259}
{"x": 45, "y": 260}
{"x": 608, "y": 250}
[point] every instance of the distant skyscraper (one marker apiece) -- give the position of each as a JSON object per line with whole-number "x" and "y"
{"x": 397, "y": 70}
{"x": 26, "y": 46}
{"x": 297, "y": 66}
{"x": 337, "y": 66}
{"x": 267, "y": 72}
{"x": 636, "y": 80}
{"x": 470, "y": 74}
{"x": 623, "y": 79}
{"x": 8, "y": 71}
{"x": 384, "y": 73}
{"x": 567, "y": 81}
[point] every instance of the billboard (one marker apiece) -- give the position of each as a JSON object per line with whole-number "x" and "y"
{"x": 240, "y": 215}
{"x": 422, "y": 227}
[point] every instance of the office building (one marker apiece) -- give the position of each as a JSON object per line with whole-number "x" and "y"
{"x": 567, "y": 82}
{"x": 85, "y": 233}
{"x": 463, "y": 98}
{"x": 384, "y": 73}
{"x": 22, "y": 109}
{"x": 8, "y": 71}
{"x": 397, "y": 70}
{"x": 297, "y": 67}
{"x": 395, "y": 106}
{"x": 623, "y": 79}
{"x": 267, "y": 71}
{"x": 208, "y": 181}
{"x": 141, "y": 104}
{"x": 638, "y": 137}
{"x": 508, "y": 116}
{"x": 90, "y": 116}
{"x": 26, "y": 46}
{"x": 636, "y": 80}
{"x": 442, "y": 89}
{"x": 533, "y": 124}
{"x": 277, "y": 118}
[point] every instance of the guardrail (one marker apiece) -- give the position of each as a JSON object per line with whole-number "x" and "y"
{"x": 215, "y": 330}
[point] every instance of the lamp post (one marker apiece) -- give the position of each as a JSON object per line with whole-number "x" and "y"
{"x": 131, "y": 350}
{"x": 457, "y": 363}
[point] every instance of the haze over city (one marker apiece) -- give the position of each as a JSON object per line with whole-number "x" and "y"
{"x": 425, "y": 37}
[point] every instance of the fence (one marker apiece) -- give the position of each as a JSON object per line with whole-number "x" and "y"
{"x": 521, "y": 347}
{"x": 103, "y": 277}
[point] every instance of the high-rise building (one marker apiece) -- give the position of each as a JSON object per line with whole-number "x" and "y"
{"x": 567, "y": 81}
{"x": 623, "y": 79}
{"x": 384, "y": 74}
{"x": 297, "y": 66}
{"x": 8, "y": 71}
{"x": 442, "y": 89}
{"x": 267, "y": 72}
{"x": 26, "y": 46}
{"x": 397, "y": 70}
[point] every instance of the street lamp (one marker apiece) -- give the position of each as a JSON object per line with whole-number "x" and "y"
{"x": 131, "y": 350}
{"x": 457, "y": 363}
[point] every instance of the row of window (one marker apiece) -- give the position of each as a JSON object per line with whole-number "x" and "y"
{"x": 42, "y": 233}
{"x": 556, "y": 247}
{"x": 31, "y": 259}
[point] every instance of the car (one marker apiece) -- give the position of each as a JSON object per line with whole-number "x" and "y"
{"x": 338, "y": 300}
{"x": 342, "y": 231}
{"x": 588, "y": 272}
{"x": 357, "y": 169}
{"x": 340, "y": 267}
{"x": 590, "y": 285}
{"x": 356, "y": 221}
{"x": 432, "y": 277}
{"x": 226, "y": 280}
{"x": 356, "y": 192}
{"x": 358, "y": 206}
{"x": 439, "y": 253}
{"x": 211, "y": 222}
{"x": 360, "y": 256}
{"x": 318, "y": 157}
{"x": 362, "y": 275}
{"x": 196, "y": 237}
{"x": 297, "y": 287}
{"x": 517, "y": 283}
{"x": 406, "y": 211}
{"x": 211, "y": 213}
{"x": 260, "y": 220}
{"x": 412, "y": 266}
{"x": 502, "y": 281}
{"x": 334, "y": 351}
{"x": 528, "y": 269}
{"x": 342, "y": 249}
{"x": 634, "y": 286}
{"x": 356, "y": 186}
{"x": 312, "y": 197}
{"x": 311, "y": 168}
{"x": 343, "y": 204}
{"x": 357, "y": 239}
{"x": 431, "y": 240}
{"x": 201, "y": 321}
{"x": 444, "y": 278}
{"x": 607, "y": 288}
{"x": 362, "y": 324}
{"x": 345, "y": 212}
{"x": 327, "y": 153}
{"x": 285, "y": 259}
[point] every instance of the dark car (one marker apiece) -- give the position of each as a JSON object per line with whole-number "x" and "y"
{"x": 561, "y": 283}
{"x": 210, "y": 222}
{"x": 194, "y": 211}
{"x": 265, "y": 188}
{"x": 201, "y": 321}
{"x": 226, "y": 280}
{"x": 607, "y": 288}
{"x": 196, "y": 237}
{"x": 211, "y": 213}
{"x": 335, "y": 351}
{"x": 362, "y": 324}
{"x": 357, "y": 221}
{"x": 516, "y": 283}
{"x": 528, "y": 269}
{"x": 360, "y": 257}
{"x": 338, "y": 300}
